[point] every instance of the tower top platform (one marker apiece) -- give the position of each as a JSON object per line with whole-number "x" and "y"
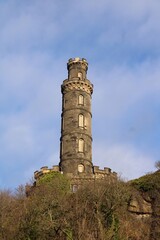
{"x": 77, "y": 60}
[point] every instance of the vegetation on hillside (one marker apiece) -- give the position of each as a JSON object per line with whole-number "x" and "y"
{"x": 149, "y": 185}
{"x": 52, "y": 211}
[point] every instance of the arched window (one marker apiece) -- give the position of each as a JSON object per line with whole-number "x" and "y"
{"x": 80, "y": 75}
{"x": 81, "y": 120}
{"x": 81, "y": 145}
{"x": 80, "y": 99}
{"x": 80, "y": 168}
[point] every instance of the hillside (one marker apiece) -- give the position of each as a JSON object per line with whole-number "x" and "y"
{"x": 149, "y": 188}
{"x": 103, "y": 211}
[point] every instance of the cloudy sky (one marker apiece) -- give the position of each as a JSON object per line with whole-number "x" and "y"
{"x": 121, "y": 42}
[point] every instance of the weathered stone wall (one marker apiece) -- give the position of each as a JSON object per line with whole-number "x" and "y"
{"x": 74, "y": 130}
{"x": 96, "y": 174}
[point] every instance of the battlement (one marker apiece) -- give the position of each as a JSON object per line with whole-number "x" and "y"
{"x": 96, "y": 169}
{"x": 44, "y": 170}
{"x": 76, "y": 60}
{"x": 102, "y": 173}
{"x": 97, "y": 173}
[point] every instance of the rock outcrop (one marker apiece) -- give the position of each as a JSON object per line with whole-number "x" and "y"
{"x": 145, "y": 202}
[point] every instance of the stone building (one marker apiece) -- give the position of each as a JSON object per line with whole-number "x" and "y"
{"x": 76, "y": 131}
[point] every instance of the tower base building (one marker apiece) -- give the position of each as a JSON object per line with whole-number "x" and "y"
{"x": 76, "y": 132}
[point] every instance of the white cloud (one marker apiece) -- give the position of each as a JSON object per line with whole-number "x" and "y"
{"x": 122, "y": 87}
{"x": 126, "y": 160}
{"x": 27, "y": 25}
{"x": 19, "y": 139}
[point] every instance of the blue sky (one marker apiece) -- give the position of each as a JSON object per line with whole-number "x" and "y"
{"x": 120, "y": 40}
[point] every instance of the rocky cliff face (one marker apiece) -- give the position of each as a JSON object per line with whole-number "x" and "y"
{"x": 145, "y": 202}
{"x": 140, "y": 205}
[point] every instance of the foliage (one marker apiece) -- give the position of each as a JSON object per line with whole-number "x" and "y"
{"x": 157, "y": 164}
{"x": 96, "y": 211}
{"x": 55, "y": 178}
{"x": 147, "y": 183}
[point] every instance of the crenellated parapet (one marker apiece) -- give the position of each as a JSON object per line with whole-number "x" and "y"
{"x": 82, "y": 62}
{"x": 97, "y": 173}
{"x": 44, "y": 170}
{"x": 103, "y": 173}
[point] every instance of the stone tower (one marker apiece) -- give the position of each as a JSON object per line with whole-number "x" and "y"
{"x": 76, "y": 133}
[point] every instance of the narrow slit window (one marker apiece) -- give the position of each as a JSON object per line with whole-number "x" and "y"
{"x": 81, "y": 120}
{"x": 81, "y": 145}
{"x": 81, "y": 100}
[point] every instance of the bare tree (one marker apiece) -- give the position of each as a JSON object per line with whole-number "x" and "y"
{"x": 157, "y": 164}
